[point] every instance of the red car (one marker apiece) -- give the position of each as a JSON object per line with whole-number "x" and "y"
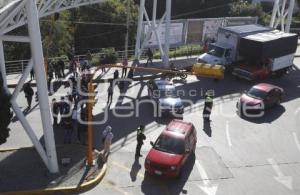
{"x": 171, "y": 149}
{"x": 260, "y": 97}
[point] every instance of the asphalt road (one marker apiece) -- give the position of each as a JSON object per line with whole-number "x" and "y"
{"x": 257, "y": 156}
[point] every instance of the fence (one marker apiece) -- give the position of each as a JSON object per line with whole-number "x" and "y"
{"x": 16, "y": 67}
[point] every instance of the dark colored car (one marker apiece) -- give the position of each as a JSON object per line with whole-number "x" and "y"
{"x": 171, "y": 149}
{"x": 259, "y": 98}
{"x": 163, "y": 92}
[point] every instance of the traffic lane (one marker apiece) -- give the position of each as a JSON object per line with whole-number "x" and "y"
{"x": 268, "y": 137}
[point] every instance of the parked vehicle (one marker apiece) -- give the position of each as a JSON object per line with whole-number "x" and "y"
{"x": 252, "y": 52}
{"x": 164, "y": 94}
{"x": 172, "y": 149}
{"x": 259, "y": 98}
{"x": 225, "y": 51}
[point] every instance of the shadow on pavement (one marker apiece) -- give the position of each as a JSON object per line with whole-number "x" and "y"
{"x": 269, "y": 116}
{"x": 23, "y": 170}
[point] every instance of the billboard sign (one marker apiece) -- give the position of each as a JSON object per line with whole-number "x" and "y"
{"x": 176, "y": 35}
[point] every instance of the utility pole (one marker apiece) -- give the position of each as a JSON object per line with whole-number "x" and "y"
{"x": 127, "y": 29}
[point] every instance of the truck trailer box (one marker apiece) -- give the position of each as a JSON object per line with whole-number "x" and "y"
{"x": 231, "y": 36}
{"x": 265, "y": 45}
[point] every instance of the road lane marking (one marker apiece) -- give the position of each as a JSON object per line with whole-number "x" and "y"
{"x": 207, "y": 187}
{"x": 287, "y": 181}
{"x": 202, "y": 172}
{"x": 296, "y": 140}
{"x": 228, "y": 134}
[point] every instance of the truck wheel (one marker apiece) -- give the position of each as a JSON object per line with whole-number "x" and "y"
{"x": 279, "y": 74}
{"x": 278, "y": 102}
{"x": 183, "y": 76}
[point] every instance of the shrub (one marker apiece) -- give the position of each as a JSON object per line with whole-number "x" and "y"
{"x": 109, "y": 56}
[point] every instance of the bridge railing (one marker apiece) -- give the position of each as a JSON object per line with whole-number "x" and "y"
{"x": 18, "y": 66}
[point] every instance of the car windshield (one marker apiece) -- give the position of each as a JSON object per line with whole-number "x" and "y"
{"x": 168, "y": 93}
{"x": 169, "y": 145}
{"x": 257, "y": 93}
{"x": 215, "y": 51}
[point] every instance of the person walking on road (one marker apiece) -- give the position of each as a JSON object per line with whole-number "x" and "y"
{"x": 55, "y": 111}
{"x": 116, "y": 74}
{"x": 32, "y": 74}
{"x": 110, "y": 92}
{"x": 150, "y": 56}
{"x": 28, "y": 91}
{"x": 107, "y": 137}
{"x": 207, "y": 107}
{"x": 124, "y": 70}
{"x": 140, "y": 140}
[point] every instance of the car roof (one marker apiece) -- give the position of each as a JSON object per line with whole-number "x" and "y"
{"x": 265, "y": 87}
{"x": 163, "y": 82}
{"x": 178, "y": 128}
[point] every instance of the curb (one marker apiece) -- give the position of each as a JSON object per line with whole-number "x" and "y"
{"x": 71, "y": 189}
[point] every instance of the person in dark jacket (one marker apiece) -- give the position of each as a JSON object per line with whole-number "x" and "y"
{"x": 116, "y": 74}
{"x": 55, "y": 110}
{"x": 64, "y": 109}
{"x": 61, "y": 66}
{"x": 28, "y": 91}
{"x": 150, "y": 56}
{"x": 32, "y": 74}
{"x": 140, "y": 140}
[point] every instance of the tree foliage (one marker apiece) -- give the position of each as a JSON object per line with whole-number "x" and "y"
{"x": 105, "y": 26}
{"x": 5, "y": 113}
{"x": 57, "y": 33}
{"x": 245, "y": 8}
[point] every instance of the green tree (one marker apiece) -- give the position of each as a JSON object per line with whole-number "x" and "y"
{"x": 57, "y": 34}
{"x": 245, "y": 8}
{"x": 5, "y": 113}
{"x": 104, "y": 25}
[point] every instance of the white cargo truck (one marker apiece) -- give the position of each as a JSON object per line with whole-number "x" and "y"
{"x": 225, "y": 51}
{"x": 252, "y": 51}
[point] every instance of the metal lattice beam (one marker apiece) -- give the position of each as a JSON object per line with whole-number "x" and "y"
{"x": 14, "y": 16}
{"x": 282, "y": 14}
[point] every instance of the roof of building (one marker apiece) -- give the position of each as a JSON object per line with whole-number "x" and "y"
{"x": 244, "y": 29}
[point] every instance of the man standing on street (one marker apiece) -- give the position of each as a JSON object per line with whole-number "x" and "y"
{"x": 28, "y": 94}
{"x": 208, "y": 106}
{"x": 110, "y": 92}
{"x": 124, "y": 70}
{"x": 107, "y": 137}
{"x": 140, "y": 140}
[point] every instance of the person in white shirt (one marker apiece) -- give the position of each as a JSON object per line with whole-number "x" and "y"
{"x": 107, "y": 137}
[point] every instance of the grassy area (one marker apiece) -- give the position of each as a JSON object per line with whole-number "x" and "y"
{"x": 188, "y": 50}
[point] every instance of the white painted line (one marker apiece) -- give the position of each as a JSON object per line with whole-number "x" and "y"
{"x": 207, "y": 187}
{"x": 228, "y": 134}
{"x": 296, "y": 140}
{"x": 287, "y": 181}
{"x": 202, "y": 172}
{"x": 275, "y": 167}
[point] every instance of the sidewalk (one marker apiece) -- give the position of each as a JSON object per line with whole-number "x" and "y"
{"x": 23, "y": 172}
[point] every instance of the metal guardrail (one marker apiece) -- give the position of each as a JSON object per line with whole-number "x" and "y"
{"x": 16, "y": 67}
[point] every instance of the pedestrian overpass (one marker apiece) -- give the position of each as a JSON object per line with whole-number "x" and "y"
{"x": 15, "y": 13}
